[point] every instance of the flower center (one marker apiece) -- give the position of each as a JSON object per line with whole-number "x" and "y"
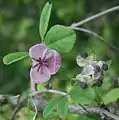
{"x": 39, "y": 63}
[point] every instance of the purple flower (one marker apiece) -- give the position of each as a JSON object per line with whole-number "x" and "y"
{"x": 45, "y": 63}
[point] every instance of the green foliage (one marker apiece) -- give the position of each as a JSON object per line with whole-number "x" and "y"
{"x": 83, "y": 96}
{"x": 1, "y": 118}
{"x": 23, "y": 28}
{"x": 60, "y": 38}
{"x": 5, "y": 115}
{"x": 26, "y": 114}
{"x": 51, "y": 104}
{"x": 112, "y": 96}
{"x": 14, "y": 57}
{"x": 40, "y": 87}
{"x": 62, "y": 107}
{"x": 44, "y": 19}
{"x": 61, "y": 102}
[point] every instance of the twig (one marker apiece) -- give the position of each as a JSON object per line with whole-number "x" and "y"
{"x": 48, "y": 91}
{"x": 16, "y": 108}
{"x": 95, "y": 16}
{"x": 14, "y": 113}
{"x": 97, "y": 110}
{"x": 36, "y": 110}
{"x": 84, "y": 108}
{"x": 94, "y": 34}
{"x": 87, "y": 31}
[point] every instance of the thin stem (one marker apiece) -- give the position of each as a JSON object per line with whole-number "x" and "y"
{"x": 94, "y": 34}
{"x": 49, "y": 91}
{"x": 88, "y": 31}
{"x": 95, "y": 16}
{"x": 36, "y": 110}
{"x": 84, "y": 108}
{"x": 33, "y": 86}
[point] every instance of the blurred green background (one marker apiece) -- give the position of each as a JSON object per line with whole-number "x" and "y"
{"x": 19, "y": 23}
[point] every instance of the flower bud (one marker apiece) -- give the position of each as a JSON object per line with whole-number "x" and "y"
{"x": 97, "y": 68}
{"x": 48, "y": 86}
{"x": 83, "y": 85}
{"x": 105, "y": 67}
{"x": 99, "y": 82}
{"x": 84, "y": 55}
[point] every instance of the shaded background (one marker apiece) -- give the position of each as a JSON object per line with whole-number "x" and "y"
{"x": 19, "y": 23}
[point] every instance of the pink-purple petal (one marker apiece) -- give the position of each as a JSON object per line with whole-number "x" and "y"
{"x": 37, "y": 51}
{"x": 57, "y": 61}
{"x": 54, "y": 61}
{"x": 40, "y": 77}
{"x": 44, "y": 54}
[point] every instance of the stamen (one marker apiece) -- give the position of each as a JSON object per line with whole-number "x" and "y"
{"x": 39, "y": 67}
{"x": 37, "y": 60}
{"x": 45, "y": 63}
{"x": 34, "y": 66}
{"x": 39, "y": 64}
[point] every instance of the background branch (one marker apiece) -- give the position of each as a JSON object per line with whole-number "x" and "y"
{"x": 95, "y": 16}
{"x": 95, "y": 35}
{"x": 16, "y": 109}
{"x": 41, "y": 102}
{"x": 79, "y": 110}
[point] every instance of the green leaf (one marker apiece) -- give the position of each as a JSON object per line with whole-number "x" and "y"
{"x": 112, "y": 96}
{"x": 51, "y": 104}
{"x": 60, "y": 38}
{"x": 82, "y": 96}
{"x": 62, "y": 107}
{"x": 26, "y": 115}
{"x": 14, "y": 57}
{"x": 40, "y": 87}
{"x": 1, "y": 117}
{"x": 44, "y": 19}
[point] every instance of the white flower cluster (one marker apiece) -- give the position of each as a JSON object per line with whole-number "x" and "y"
{"x": 92, "y": 72}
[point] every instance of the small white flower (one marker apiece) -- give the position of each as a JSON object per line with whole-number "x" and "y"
{"x": 84, "y": 61}
{"x": 84, "y": 78}
{"x": 88, "y": 70}
{"x": 92, "y": 69}
{"x": 100, "y": 63}
{"x": 97, "y": 63}
{"x": 96, "y": 75}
